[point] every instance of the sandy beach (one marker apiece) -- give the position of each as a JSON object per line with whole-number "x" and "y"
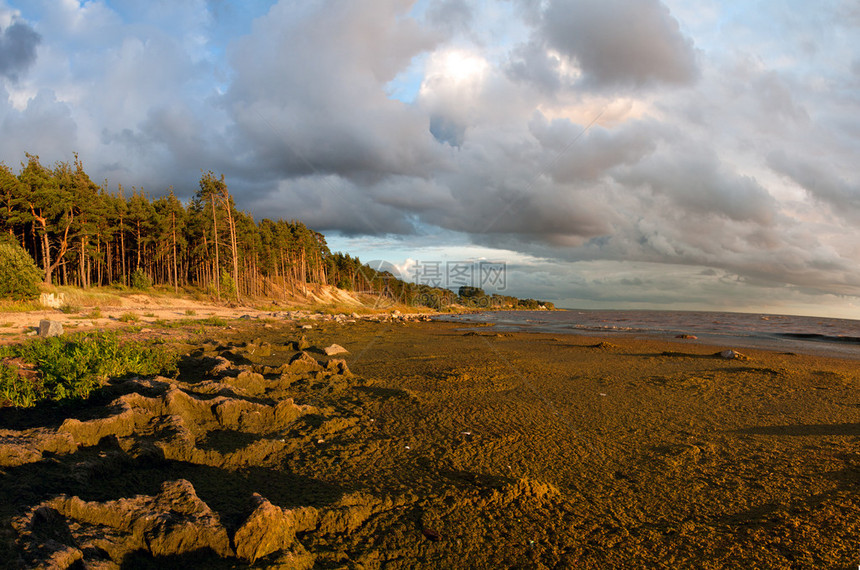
{"x": 432, "y": 447}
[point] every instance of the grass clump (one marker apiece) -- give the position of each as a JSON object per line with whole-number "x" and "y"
{"x": 128, "y": 318}
{"x": 10, "y": 306}
{"x": 70, "y": 368}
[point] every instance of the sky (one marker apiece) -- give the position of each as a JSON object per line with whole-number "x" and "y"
{"x": 684, "y": 154}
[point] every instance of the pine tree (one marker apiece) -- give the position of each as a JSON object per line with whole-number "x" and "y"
{"x": 48, "y": 207}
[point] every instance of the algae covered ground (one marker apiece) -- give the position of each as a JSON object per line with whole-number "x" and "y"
{"x": 427, "y": 446}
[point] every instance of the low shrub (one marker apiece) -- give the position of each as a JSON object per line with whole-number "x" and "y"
{"x": 71, "y": 367}
{"x": 19, "y": 275}
{"x": 140, "y": 280}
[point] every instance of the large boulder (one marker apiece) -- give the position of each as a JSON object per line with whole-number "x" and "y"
{"x": 48, "y": 328}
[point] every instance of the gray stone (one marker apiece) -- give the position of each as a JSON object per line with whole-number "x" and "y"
{"x": 732, "y": 355}
{"x": 334, "y": 349}
{"x": 50, "y": 328}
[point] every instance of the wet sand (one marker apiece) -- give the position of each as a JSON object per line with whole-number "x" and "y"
{"x": 446, "y": 449}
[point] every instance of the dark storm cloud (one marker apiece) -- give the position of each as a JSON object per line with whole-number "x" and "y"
{"x": 696, "y": 182}
{"x": 328, "y": 201}
{"x": 822, "y": 184}
{"x": 531, "y": 63}
{"x": 18, "y": 44}
{"x": 600, "y": 151}
{"x": 593, "y": 135}
{"x": 308, "y": 99}
{"x": 621, "y": 42}
{"x": 45, "y": 127}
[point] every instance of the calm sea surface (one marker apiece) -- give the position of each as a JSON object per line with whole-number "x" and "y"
{"x": 811, "y": 335}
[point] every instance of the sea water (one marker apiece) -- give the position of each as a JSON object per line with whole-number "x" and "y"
{"x": 783, "y": 333}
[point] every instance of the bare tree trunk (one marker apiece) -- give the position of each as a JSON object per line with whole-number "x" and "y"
{"x": 225, "y": 197}
{"x": 99, "y": 260}
{"x": 122, "y": 246}
{"x": 82, "y": 264}
{"x": 138, "y": 246}
{"x": 175, "y": 275}
{"x": 217, "y": 261}
{"x": 46, "y": 257}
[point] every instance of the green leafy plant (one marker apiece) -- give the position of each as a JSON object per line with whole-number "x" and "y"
{"x": 228, "y": 286}
{"x": 71, "y": 368}
{"x": 140, "y": 280}
{"x": 18, "y": 272}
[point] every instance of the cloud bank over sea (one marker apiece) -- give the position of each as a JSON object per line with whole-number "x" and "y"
{"x": 630, "y": 153}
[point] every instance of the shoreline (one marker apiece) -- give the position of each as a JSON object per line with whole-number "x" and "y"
{"x": 445, "y": 448}
{"x": 815, "y": 341}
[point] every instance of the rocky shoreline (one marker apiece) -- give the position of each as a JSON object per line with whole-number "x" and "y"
{"x": 423, "y": 446}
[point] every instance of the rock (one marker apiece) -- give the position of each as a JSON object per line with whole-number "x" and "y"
{"x": 220, "y": 366}
{"x": 173, "y": 522}
{"x": 303, "y": 362}
{"x": 302, "y": 343}
{"x": 431, "y": 534}
{"x": 20, "y": 448}
{"x": 262, "y": 350}
{"x": 252, "y": 382}
{"x": 338, "y": 366}
{"x": 687, "y": 336}
{"x": 90, "y": 432}
{"x": 49, "y": 328}
{"x": 334, "y": 349}
{"x": 268, "y": 529}
{"x": 307, "y": 327}
{"x": 731, "y": 355}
